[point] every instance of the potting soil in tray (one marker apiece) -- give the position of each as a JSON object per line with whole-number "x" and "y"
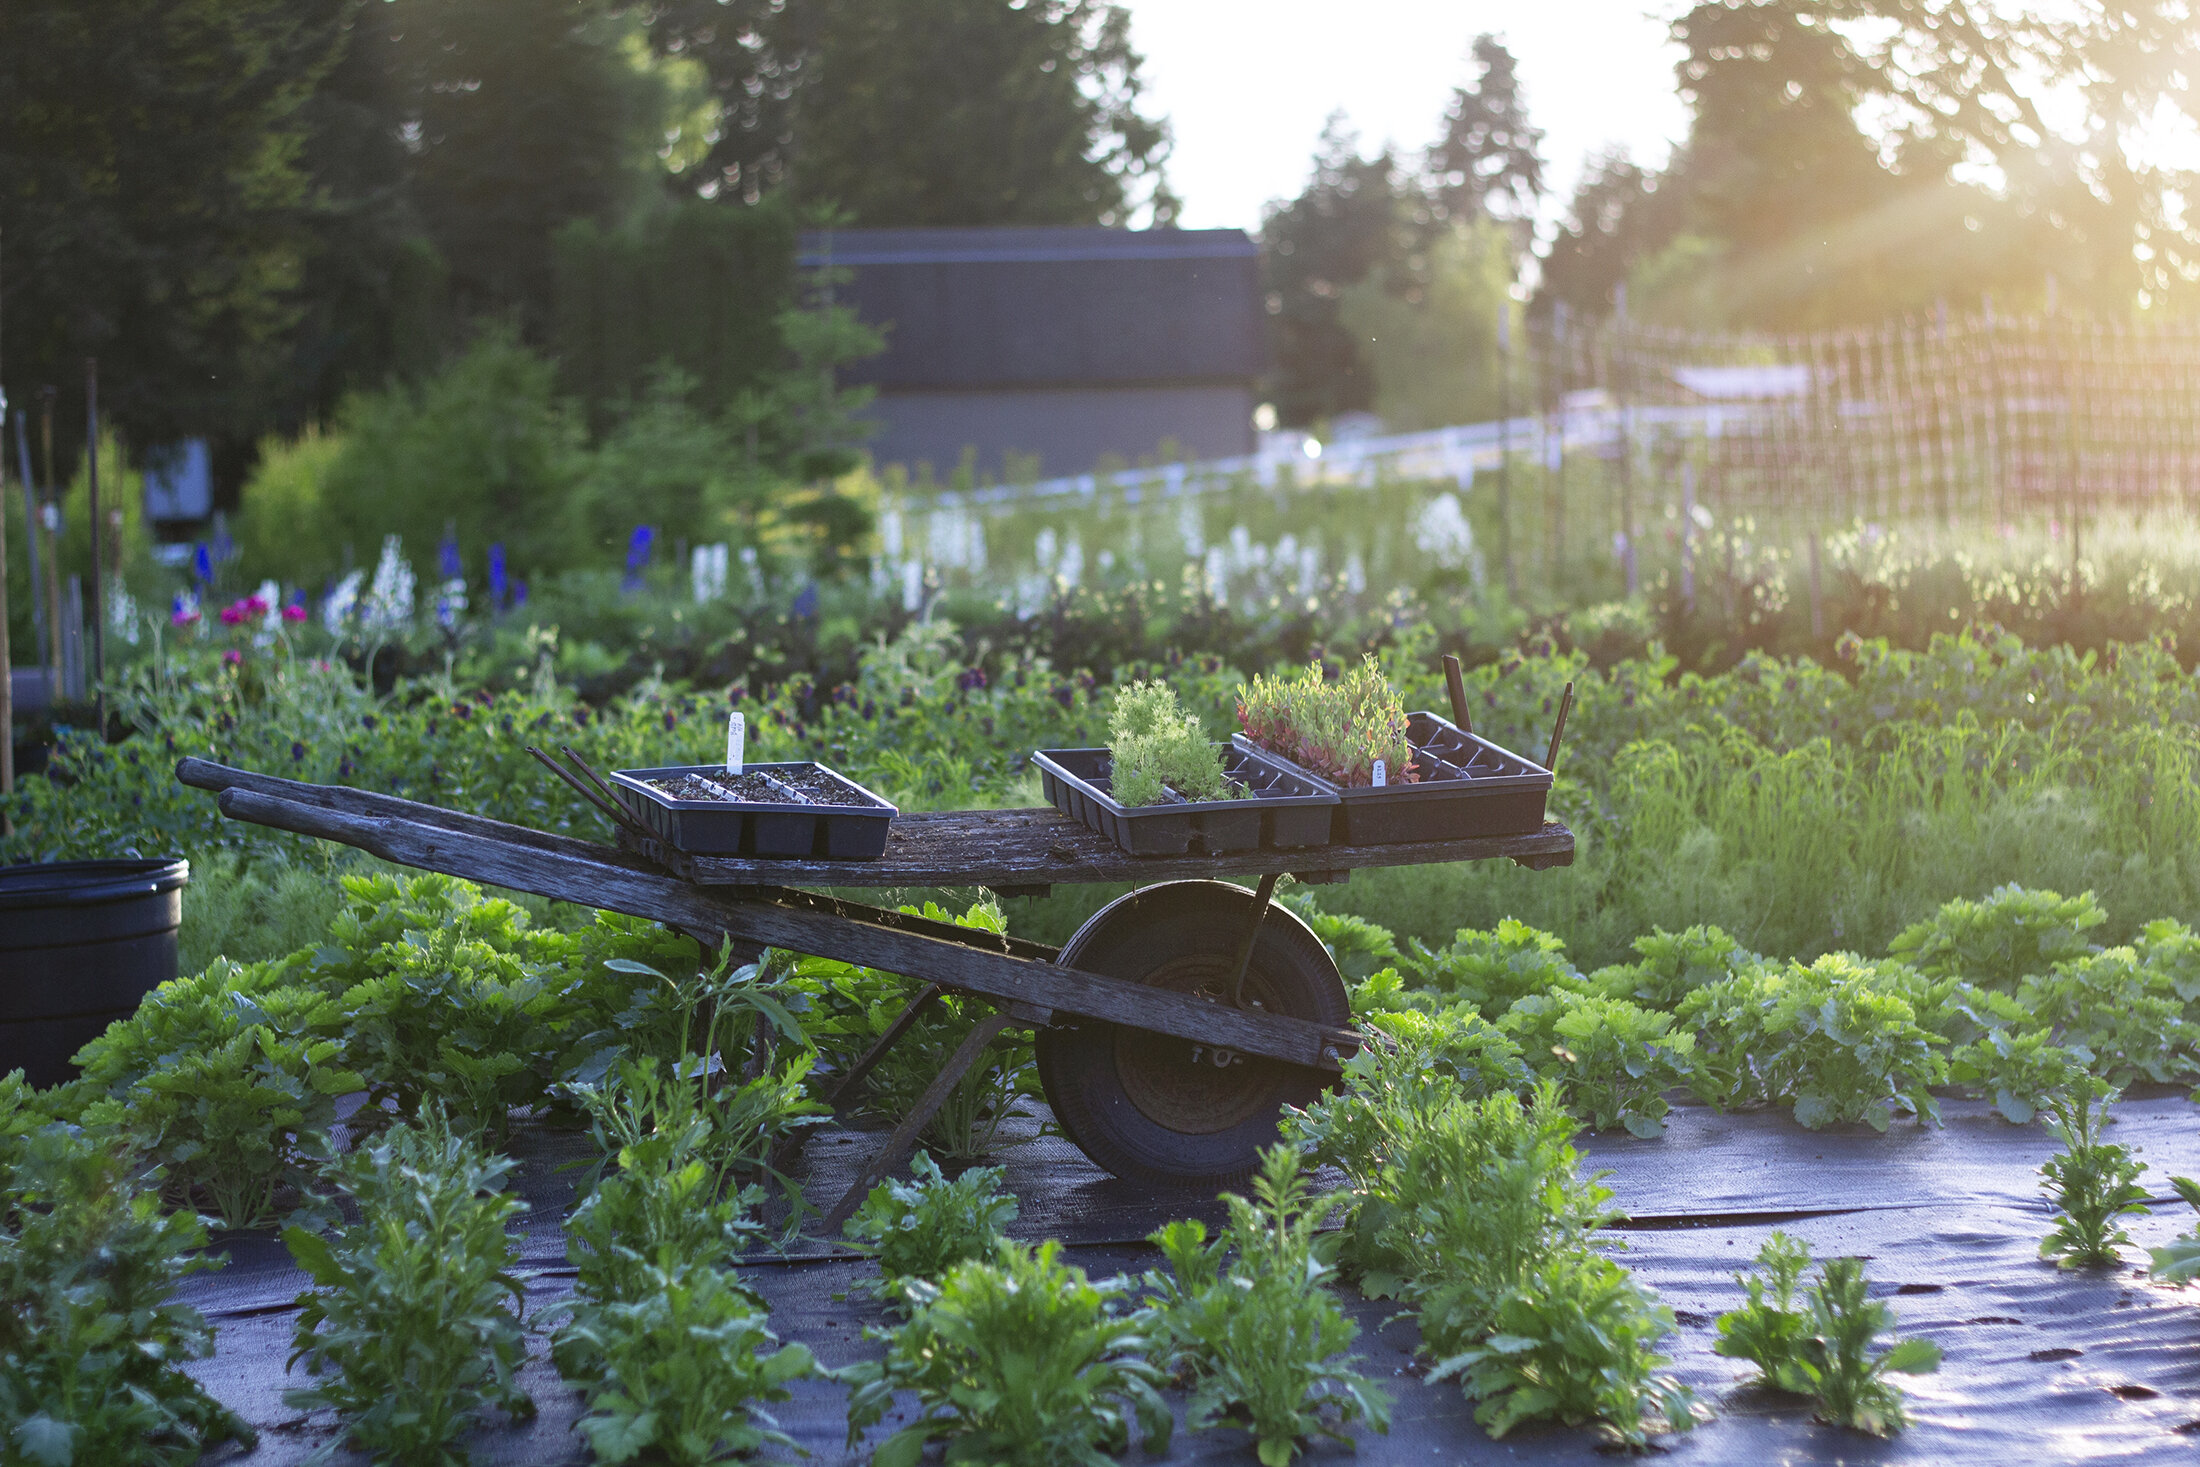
{"x": 1278, "y": 805}
{"x": 1461, "y": 786}
{"x": 2040, "y": 1364}
{"x": 795, "y": 811}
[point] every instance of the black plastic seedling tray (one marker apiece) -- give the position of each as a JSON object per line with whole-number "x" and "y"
{"x": 1285, "y": 807}
{"x": 793, "y": 828}
{"x": 1468, "y": 787}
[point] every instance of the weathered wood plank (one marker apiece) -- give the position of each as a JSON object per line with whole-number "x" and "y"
{"x": 587, "y": 878}
{"x": 1043, "y": 847}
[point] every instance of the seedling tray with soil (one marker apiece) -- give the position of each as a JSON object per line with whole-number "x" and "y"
{"x": 1282, "y": 807}
{"x": 794, "y": 809}
{"x": 1462, "y": 785}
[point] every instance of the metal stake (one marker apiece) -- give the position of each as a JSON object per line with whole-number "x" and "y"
{"x": 1261, "y": 894}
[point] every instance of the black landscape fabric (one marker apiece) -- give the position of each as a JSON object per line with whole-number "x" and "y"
{"x": 2040, "y": 1364}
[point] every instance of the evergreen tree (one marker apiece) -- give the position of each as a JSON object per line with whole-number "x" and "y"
{"x": 1488, "y": 160}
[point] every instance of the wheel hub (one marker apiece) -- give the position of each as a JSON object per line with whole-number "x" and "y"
{"x": 1188, "y": 1086}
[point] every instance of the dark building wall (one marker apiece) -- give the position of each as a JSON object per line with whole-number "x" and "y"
{"x": 1066, "y": 344}
{"x": 1066, "y": 430}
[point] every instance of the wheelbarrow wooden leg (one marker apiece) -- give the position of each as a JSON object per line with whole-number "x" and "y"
{"x": 862, "y": 1067}
{"x": 904, "y": 1136}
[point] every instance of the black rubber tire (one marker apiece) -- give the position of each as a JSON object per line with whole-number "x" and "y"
{"x": 1154, "y": 1109}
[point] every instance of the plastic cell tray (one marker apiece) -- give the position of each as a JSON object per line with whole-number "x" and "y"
{"x": 1468, "y": 787}
{"x": 1284, "y": 807}
{"x": 793, "y": 829}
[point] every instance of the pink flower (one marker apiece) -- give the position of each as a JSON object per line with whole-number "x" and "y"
{"x": 233, "y": 614}
{"x": 255, "y": 605}
{"x": 294, "y": 613}
{"x": 183, "y": 618}
{"x": 233, "y": 657}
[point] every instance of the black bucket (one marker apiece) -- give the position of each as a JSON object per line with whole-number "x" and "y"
{"x": 80, "y": 943}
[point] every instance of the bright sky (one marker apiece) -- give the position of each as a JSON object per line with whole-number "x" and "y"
{"x": 1247, "y": 84}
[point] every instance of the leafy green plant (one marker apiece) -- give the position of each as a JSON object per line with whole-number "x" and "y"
{"x": 679, "y": 1367}
{"x": 1358, "y": 947}
{"x": 2123, "y": 1011}
{"x": 1849, "y": 1380}
{"x": 924, "y": 1227}
{"x": 1574, "y": 1341}
{"x": 1835, "y": 1039}
{"x": 1614, "y": 1059}
{"x": 1773, "y": 1329}
{"x": 1669, "y": 966}
{"x": 1451, "y": 1201}
{"x": 412, "y": 1331}
{"x": 1824, "y": 1348}
{"x": 660, "y": 1211}
{"x": 2178, "y": 1262}
{"x": 1996, "y": 942}
{"x": 2017, "y": 1070}
{"x": 1020, "y": 1359}
{"x": 1257, "y": 1337}
{"x": 1336, "y": 729}
{"x": 92, "y": 1346}
{"x": 2093, "y": 1182}
{"x": 228, "y": 1080}
{"x": 1156, "y": 747}
{"x": 1492, "y": 970}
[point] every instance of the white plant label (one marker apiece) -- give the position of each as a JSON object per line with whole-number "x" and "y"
{"x": 736, "y": 735}
{"x": 1382, "y": 774}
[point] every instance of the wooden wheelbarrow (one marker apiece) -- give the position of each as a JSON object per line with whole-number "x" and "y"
{"x": 1170, "y": 1030}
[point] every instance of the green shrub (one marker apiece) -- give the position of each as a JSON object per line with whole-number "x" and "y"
{"x": 924, "y": 1227}
{"x": 2092, "y": 1182}
{"x": 1257, "y": 1338}
{"x": 734, "y": 1131}
{"x": 1493, "y": 969}
{"x": 1613, "y": 1059}
{"x": 411, "y": 1331}
{"x": 92, "y": 1346}
{"x": 1018, "y": 1359}
{"x": 1574, "y": 1341}
{"x": 1834, "y": 1039}
{"x": 1996, "y": 942}
{"x": 1156, "y": 747}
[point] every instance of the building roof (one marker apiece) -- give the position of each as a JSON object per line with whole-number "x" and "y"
{"x": 1030, "y": 307}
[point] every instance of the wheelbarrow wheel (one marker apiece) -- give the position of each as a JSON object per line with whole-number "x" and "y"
{"x": 1153, "y": 1108}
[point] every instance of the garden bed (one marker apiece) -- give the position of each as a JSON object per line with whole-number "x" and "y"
{"x": 2040, "y": 1363}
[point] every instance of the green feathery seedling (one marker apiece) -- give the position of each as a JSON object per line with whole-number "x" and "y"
{"x": 1156, "y": 747}
{"x": 1772, "y": 1329}
{"x": 2092, "y": 1181}
{"x": 412, "y": 1331}
{"x": 922, "y": 1228}
{"x": 1574, "y": 1340}
{"x": 1257, "y": 1339}
{"x": 2179, "y": 1261}
{"x": 1337, "y": 729}
{"x": 1823, "y": 1349}
{"x": 1849, "y": 1380}
{"x": 1019, "y": 1359}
